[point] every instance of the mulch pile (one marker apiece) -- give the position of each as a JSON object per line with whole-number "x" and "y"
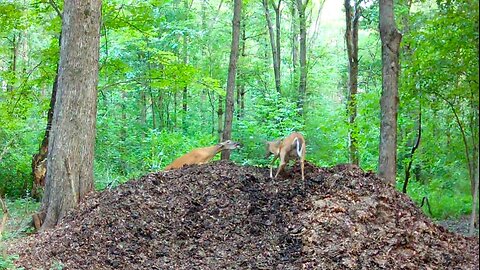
{"x": 224, "y": 216}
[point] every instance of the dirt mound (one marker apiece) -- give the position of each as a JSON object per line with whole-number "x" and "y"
{"x": 223, "y": 216}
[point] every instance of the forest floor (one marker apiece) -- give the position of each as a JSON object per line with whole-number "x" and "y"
{"x": 224, "y": 216}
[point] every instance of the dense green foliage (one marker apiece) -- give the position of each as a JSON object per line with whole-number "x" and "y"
{"x": 151, "y": 51}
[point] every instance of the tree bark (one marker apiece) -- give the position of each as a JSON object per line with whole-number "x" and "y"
{"x": 39, "y": 160}
{"x": 232, "y": 70}
{"x": 276, "y": 8}
{"x": 412, "y": 152}
{"x": 185, "y": 62}
{"x": 294, "y": 40}
{"x": 240, "y": 80}
{"x": 473, "y": 216}
{"x": 390, "y": 37}
{"x": 13, "y": 66}
{"x": 71, "y": 147}
{"x": 5, "y": 215}
{"x": 220, "y": 118}
{"x": 274, "y": 41}
{"x": 351, "y": 39}
{"x": 302, "y": 87}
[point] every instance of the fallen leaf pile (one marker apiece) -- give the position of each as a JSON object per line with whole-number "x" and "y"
{"x": 224, "y": 216}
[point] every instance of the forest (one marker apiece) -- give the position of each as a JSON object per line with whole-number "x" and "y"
{"x": 155, "y": 79}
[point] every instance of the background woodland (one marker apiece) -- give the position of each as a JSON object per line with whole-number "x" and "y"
{"x": 163, "y": 73}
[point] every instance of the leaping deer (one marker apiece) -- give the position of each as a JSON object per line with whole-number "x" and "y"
{"x": 201, "y": 155}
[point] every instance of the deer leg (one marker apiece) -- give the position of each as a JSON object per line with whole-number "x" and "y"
{"x": 282, "y": 164}
{"x": 271, "y": 166}
{"x": 302, "y": 165}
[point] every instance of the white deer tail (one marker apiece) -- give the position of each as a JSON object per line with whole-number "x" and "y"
{"x": 299, "y": 146}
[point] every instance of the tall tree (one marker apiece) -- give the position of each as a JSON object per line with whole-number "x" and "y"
{"x": 39, "y": 160}
{"x": 274, "y": 40}
{"x": 391, "y": 37}
{"x": 186, "y": 6}
{"x": 232, "y": 70}
{"x": 240, "y": 98}
{"x": 302, "y": 87}
{"x": 71, "y": 147}
{"x": 352, "y": 18}
{"x": 473, "y": 215}
{"x": 294, "y": 41}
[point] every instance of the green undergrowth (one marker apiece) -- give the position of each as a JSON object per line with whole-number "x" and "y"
{"x": 445, "y": 202}
{"x": 18, "y": 225}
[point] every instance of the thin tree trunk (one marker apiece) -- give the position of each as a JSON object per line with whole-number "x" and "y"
{"x": 123, "y": 134}
{"x": 470, "y": 162}
{"x": 390, "y": 37}
{"x": 412, "y": 152}
{"x": 185, "y": 62}
{"x": 302, "y": 87}
{"x": 232, "y": 70}
{"x": 39, "y": 160}
{"x": 294, "y": 41}
{"x": 473, "y": 216}
{"x": 71, "y": 147}
{"x": 220, "y": 118}
{"x": 143, "y": 108}
{"x": 238, "y": 95}
{"x": 276, "y": 64}
{"x": 278, "y": 44}
{"x": 5, "y": 216}
{"x": 15, "y": 44}
{"x": 240, "y": 81}
{"x": 152, "y": 108}
{"x": 351, "y": 39}
{"x": 175, "y": 105}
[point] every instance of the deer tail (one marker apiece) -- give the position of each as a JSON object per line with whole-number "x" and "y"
{"x": 299, "y": 146}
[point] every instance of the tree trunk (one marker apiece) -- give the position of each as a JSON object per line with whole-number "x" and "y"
{"x": 294, "y": 40}
{"x": 240, "y": 82}
{"x": 232, "y": 70}
{"x": 71, "y": 147}
{"x": 238, "y": 95}
{"x": 473, "y": 216}
{"x": 278, "y": 45}
{"x": 185, "y": 62}
{"x": 123, "y": 134}
{"x": 351, "y": 39}
{"x": 412, "y": 152}
{"x": 302, "y": 87}
{"x": 143, "y": 108}
{"x": 39, "y": 160}
{"x": 391, "y": 38}
{"x": 152, "y": 108}
{"x": 220, "y": 118}
{"x": 275, "y": 50}
{"x": 13, "y": 66}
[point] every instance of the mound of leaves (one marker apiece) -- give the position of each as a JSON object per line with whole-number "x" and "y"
{"x": 224, "y": 216}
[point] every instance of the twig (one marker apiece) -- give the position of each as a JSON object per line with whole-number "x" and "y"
{"x": 55, "y": 6}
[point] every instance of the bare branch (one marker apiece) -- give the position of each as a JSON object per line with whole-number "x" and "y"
{"x": 55, "y": 6}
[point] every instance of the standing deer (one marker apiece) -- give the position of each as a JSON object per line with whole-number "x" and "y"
{"x": 291, "y": 147}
